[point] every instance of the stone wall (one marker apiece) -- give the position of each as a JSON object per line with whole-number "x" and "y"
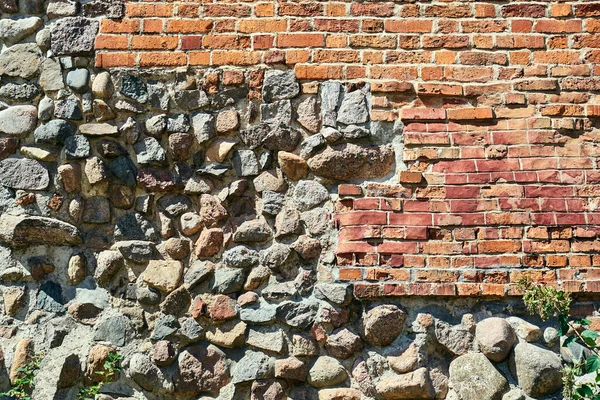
{"x": 303, "y": 200}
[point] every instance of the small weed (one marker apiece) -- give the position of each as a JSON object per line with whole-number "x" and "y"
{"x": 24, "y": 384}
{"x": 111, "y": 368}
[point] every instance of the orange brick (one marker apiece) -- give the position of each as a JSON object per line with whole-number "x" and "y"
{"x": 162, "y": 59}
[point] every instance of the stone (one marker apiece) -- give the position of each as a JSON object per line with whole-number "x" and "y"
{"x": 191, "y": 99}
{"x": 97, "y": 356}
{"x": 77, "y": 147}
{"x": 96, "y": 210}
{"x": 280, "y": 85}
{"x": 407, "y": 361}
{"x": 551, "y": 336}
{"x": 201, "y": 369}
{"x": 287, "y": 222}
{"x": 537, "y": 370}
{"x": 149, "y": 151}
{"x": 330, "y": 134}
{"x": 18, "y": 120}
{"x": 495, "y": 338}
{"x": 276, "y": 257}
{"x": 38, "y": 153}
{"x": 272, "y": 202}
{"x": 164, "y": 353}
{"x": 277, "y": 113}
{"x": 343, "y": 343}
{"x": 23, "y": 231}
{"x": 204, "y": 127}
{"x": 9, "y": 6}
{"x": 291, "y": 368}
{"x": 51, "y": 78}
{"x": 98, "y": 129}
{"x": 68, "y": 109}
{"x": 136, "y": 251}
{"x": 180, "y": 145}
{"x": 120, "y": 195}
{"x": 102, "y": 111}
{"x": 457, "y": 339}
{"x": 330, "y": 92}
{"x": 252, "y": 366}
{"x": 211, "y": 210}
{"x": 352, "y": 162}
{"x": 147, "y": 295}
{"x": 308, "y": 114}
{"x": 382, "y": 324}
{"x": 240, "y": 257}
{"x": 177, "y": 302}
{"x": 19, "y": 92}
{"x": 337, "y": 293}
{"x": 190, "y": 223}
{"x": 252, "y": 231}
{"x": 78, "y": 79}
{"x": 61, "y": 8}
{"x": 268, "y": 389}
{"x": 113, "y": 330}
{"x": 219, "y": 150}
{"x": 311, "y": 145}
{"x": 245, "y": 163}
{"x": 267, "y": 339}
{"x": 474, "y": 377}
{"x": 158, "y": 95}
{"x": 76, "y": 270}
{"x": 134, "y": 88}
{"x": 223, "y": 308}
{"x": 354, "y": 132}
{"x": 24, "y": 352}
{"x": 309, "y": 194}
{"x": 74, "y": 36}
{"x": 229, "y": 335}
{"x": 133, "y": 226}
{"x": 49, "y": 298}
{"x": 209, "y": 243}
{"x": 21, "y": 61}
{"x": 102, "y": 86}
{"x": 297, "y": 314}
{"x": 45, "y": 109}
{"x": 326, "y": 371}
{"x": 524, "y": 329}
{"x": 124, "y": 169}
{"x": 164, "y": 326}
{"x": 108, "y": 263}
{"x": 177, "y": 248}
{"x": 262, "y": 315}
{"x": 413, "y": 385}
{"x": 227, "y": 121}
{"x": 70, "y": 372}
{"x": 279, "y": 291}
{"x": 14, "y": 299}
{"x": 95, "y": 170}
{"x": 353, "y": 109}
{"x": 113, "y": 9}
{"x": 8, "y": 146}
{"x": 143, "y": 372}
{"x": 293, "y": 166}
{"x": 156, "y": 125}
{"x": 14, "y": 30}
{"x": 70, "y": 176}
{"x": 164, "y": 275}
{"x": 271, "y": 180}
{"x": 339, "y": 394}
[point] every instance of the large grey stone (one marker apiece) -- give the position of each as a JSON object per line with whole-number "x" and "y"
{"x": 382, "y": 324}
{"x": 537, "y": 370}
{"x": 76, "y": 147}
{"x": 23, "y": 173}
{"x": 74, "y": 36}
{"x": 144, "y": 372}
{"x": 18, "y": 120}
{"x": 240, "y": 257}
{"x": 54, "y": 132}
{"x": 254, "y": 365}
{"x": 22, "y": 231}
{"x": 14, "y": 30}
{"x": 114, "y": 9}
{"x": 133, "y": 226}
{"x": 78, "y": 79}
{"x": 309, "y": 194}
{"x": 352, "y": 162}
{"x": 21, "y": 60}
{"x": 330, "y": 97}
{"x": 353, "y": 109}
{"x": 19, "y": 92}
{"x": 149, "y": 151}
{"x": 297, "y": 314}
{"x": 51, "y": 78}
{"x": 113, "y": 330}
{"x": 204, "y": 127}
{"x": 474, "y": 377}
{"x": 134, "y": 88}
{"x": 280, "y": 85}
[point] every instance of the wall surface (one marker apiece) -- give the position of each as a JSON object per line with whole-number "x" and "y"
{"x": 307, "y": 200}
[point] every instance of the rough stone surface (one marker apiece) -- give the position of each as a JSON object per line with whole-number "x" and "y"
{"x": 382, "y": 324}
{"x": 351, "y": 162}
{"x": 473, "y": 376}
{"x": 495, "y": 338}
{"x": 537, "y": 370}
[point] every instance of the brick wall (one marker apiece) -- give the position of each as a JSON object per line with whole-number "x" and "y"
{"x": 499, "y": 109}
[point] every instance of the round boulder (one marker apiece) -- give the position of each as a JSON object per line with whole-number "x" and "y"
{"x": 495, "y": 338}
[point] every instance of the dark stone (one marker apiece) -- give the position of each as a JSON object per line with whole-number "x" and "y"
{"x": 165, "y": 325}
{"x": 133, "y": 87}
{"x": 8, "y": 146}
{"x": 96, "y": 210}
{"x": 9, "y": 6}
{"x": 19, "y": 92}
{"x": 114, "y": 9}
{"x": 174, "y": 204}
{"x": 70, "y": 372}
{"x": 54, "y": 132}
{"x": 124, "y": 169}
{"x": 133, "y": 226}
{"x": 68, "y": 109}
{"x": 158, "y": 179}
{"x": 49, "y": 297}
{"x": 110, "y": 148}
{"x": 300, "y": 315}
{"x": 77, "y": 146}
{"x": 112, "y": 330}
{"x": 74, "y": 36}
{"x": 120, "y": 195}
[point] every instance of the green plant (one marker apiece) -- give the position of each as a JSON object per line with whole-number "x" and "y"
{"x": 548, "y": 302}
{"x": 111, "y": 367}
{"x": 24, "y": 384}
